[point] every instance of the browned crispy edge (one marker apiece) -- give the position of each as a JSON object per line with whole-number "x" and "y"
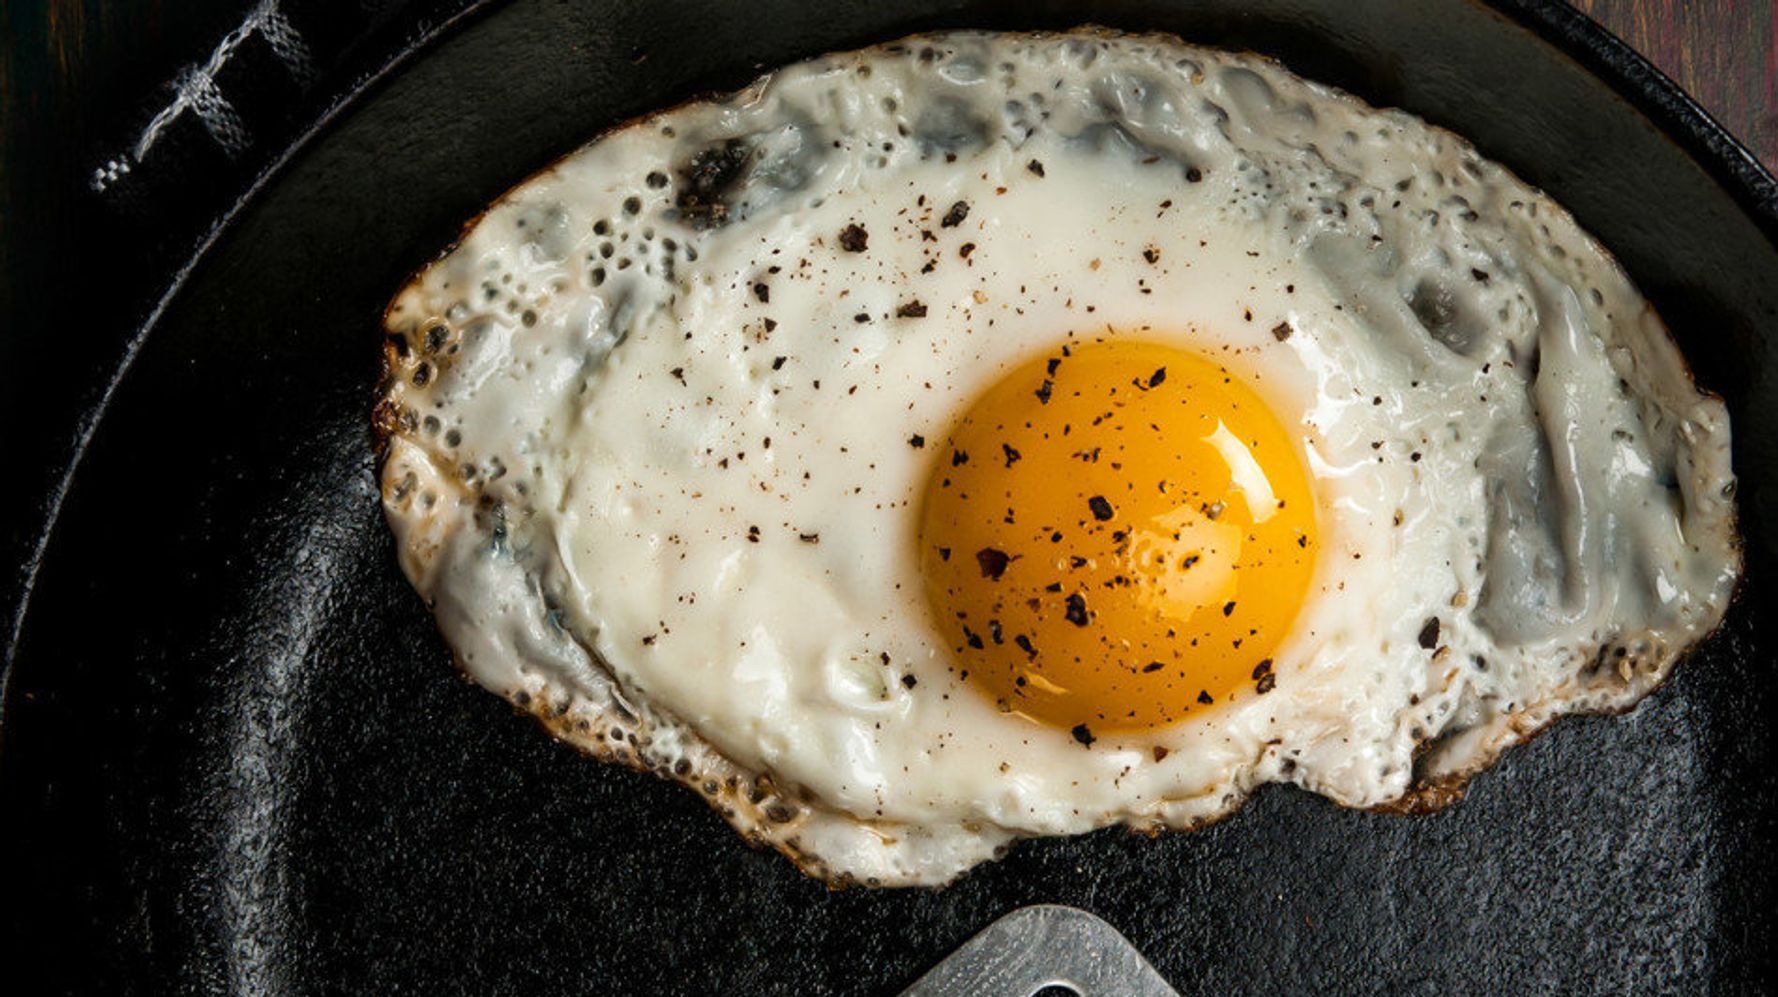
{"x": 1421, "y": 798}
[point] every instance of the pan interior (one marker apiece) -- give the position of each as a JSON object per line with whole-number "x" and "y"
{"x": 236, "y": 757}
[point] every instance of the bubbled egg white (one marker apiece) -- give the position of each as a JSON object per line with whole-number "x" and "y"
{"x": 994, "y": 435}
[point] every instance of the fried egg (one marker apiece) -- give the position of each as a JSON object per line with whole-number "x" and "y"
{"x": 990, "y": 435}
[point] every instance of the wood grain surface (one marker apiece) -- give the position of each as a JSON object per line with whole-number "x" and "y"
{"x": 1723, "y": 52}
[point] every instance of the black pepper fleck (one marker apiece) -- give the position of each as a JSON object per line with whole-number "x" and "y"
{"x": 993, "y": 562}
{"x": 1429, "y": 633}
{"x": 1076, "y": 611}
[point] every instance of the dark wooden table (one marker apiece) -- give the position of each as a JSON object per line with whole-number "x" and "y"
{"x": 1723, "y": 52}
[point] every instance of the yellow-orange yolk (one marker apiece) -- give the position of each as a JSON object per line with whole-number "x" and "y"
{"x": 1116, "y": 535}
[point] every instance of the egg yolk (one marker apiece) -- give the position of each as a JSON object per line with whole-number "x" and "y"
{"x": 1115, "y": 536}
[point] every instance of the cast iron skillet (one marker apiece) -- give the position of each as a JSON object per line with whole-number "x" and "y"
{"x": 236, "y": 756}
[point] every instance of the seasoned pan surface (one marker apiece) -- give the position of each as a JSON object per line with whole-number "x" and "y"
{"x": 234, "y": 754}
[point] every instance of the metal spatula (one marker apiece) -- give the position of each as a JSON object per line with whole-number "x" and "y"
{"x": 1044, "y": 946}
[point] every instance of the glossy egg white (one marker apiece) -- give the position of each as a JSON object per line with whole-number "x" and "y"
{"x": 648, "y": 435}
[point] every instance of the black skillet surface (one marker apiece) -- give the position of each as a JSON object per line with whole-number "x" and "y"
{"x": 236, "y": 758}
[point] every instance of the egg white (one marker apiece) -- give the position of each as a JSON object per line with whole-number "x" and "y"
{"x": 649, "y": 435}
